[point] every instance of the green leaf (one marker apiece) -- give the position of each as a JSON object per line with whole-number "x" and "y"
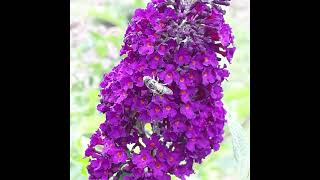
{"x": 236, "y": 93}
{"x": 115, "y": 40}
{"x": 96, "y": 36}
{"x": 100, "y": 44}
{"x": 148, "y": 128}
{"x": 101, "y": 49}
{"x": 138, "y": 4}
{"x": 124, "y": 174}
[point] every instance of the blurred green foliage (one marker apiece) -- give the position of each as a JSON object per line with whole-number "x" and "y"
{"x": 98, "y": 52}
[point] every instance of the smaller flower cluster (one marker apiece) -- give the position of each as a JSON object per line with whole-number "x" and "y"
{"x": 183, "y": 45}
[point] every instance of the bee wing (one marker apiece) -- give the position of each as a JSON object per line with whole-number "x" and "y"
{"x": 169, "y": 91}
{"x": 166, "y": 90}
{"x": 241, "y": 147}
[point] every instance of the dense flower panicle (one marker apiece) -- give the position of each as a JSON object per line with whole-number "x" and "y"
{"x": 149, "y": 136}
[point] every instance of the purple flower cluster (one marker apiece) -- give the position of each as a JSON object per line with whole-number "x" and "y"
{"x": 186, "y": 46}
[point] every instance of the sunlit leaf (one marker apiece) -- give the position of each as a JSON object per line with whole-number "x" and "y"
{"x": 115, "y": 40}
{"x": 148, "y": 128}
{"x": 138, "y": 4}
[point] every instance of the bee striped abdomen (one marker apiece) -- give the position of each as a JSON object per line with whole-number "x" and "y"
{"x": 160, "y": 89}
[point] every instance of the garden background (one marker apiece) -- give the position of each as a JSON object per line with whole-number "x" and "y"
{"x": 96, "y": 33}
